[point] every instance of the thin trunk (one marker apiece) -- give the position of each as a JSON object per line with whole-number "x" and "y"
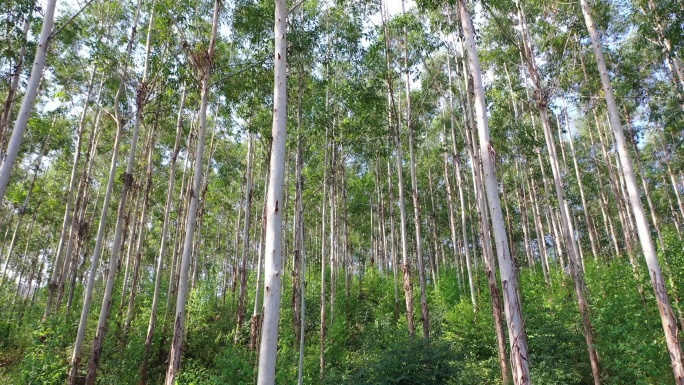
{"x": 242, "y": 298}
{"x": 130, "y": 230}
{"x": 541, "y": 97}
{"x": 24, "y": 207}
{"x": 541, "y": 236}
{"x": 29, "y": 96}
{"x": 274, "y": 221}
{"x": 666, "y": 315}
{"x": 94, "y": 361}
{"x": 80, "y": 222}
{"x": 620, "y": 202}
{"x": 67, "y": 223}
{"x": 425, "y": 316}
{"x": 393, "y": 241}
{"x": 162, "y": 244}
{"x": 434, "y": 259}
{"x": 585, "y": 208}
{"x": 408, "y": 288}
{"x": 141, "y": 232}
{"x": 605, "y": 208}
{"x": 488, "y": 257}
{"x": 323, "y": 329}
{"x": 205, "y": 69}
{"x": 522, "y": 203}
{"x": 457, "y": 171}
{"x": 512, "y": 301}
{"x": 256, "y": 317}
{"x": 14, "y": 83}
{"x": 174, "y": 267}
{"x": 299, "y": 265}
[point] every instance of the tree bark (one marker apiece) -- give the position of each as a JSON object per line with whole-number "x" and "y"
{"x": 179, "y": 324}
{"x": 512, "y": 302}
{"x": 425, "y": 317}
{"x": 29, "y": 97}
{"x": 68, "y": 223}
{"x": 162, "y": 243}
{"x": 14, "y": 83}
{"x": 273, "y": 246}
{"x": 94, "y": 361}
{"x": 666, "y": 315}
{"x": 242, "y": 298}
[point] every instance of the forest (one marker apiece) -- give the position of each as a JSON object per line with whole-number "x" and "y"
{"x": 341, "y": 192}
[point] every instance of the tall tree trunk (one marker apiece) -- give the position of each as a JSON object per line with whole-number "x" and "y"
{"x": 242, "y": 298}
{"x": 162, "y": 243}
{"x": 141, "y": 231}
{"x": 541, "y": 236}
{"x": 24, "y": 206}
{"x": 434, "y": 260}
{"x": 81, "y": 223}
{"x": 129, "y": 229}
{"x": 393, "y": 239}
{"x": 323, "y": 329}
{"x": 141, "y": 96}
{"x": 408, "y": 288}
{"x": 488, "y": 253}
{"x": 299, "y": 265}
{"x": 174, "y": 269}
{"x": 425, "y": 317}
{"x": 457, "y": 171}
{"x": 512, "y": 302}
{"x": 619, "y": 197}
{"x": 605, "y": 208}
{"x": 666, "y": 315}
{"x": 256, "y": 315}
{"x": 94, "y": 263}
{"x": 14, "y": 83}
{"x": 585, "y": 208}
{"x": 541, "y": 97}
{"x": 29, "y": 97}
{"x": 204, "y": 69}
{"x": 333, "y": 220}
{"x": 68, "y": 223}
{"x": 269, "y": 336}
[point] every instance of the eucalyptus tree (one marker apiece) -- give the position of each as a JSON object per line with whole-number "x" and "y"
{"x": 30, "y": 94}
{"x": 425, "y": 317}
{"x": 24, "y": 207}
{"x": 394, "y": 124}
{"x": 68, "y": 222}
{"x": 274, "y": 214}
{"x": 203, "y": 62}
{"x": 119, "y": 120}
{"x": 13, "y": 87}
{"x": 512, "y": 301}
{"x": 666, "y": 315}
{"x": 141, "y": 97}
{"x": 242, "y": 298}
{"x": 542, "y": 96}
{"x": 163, "y": 241}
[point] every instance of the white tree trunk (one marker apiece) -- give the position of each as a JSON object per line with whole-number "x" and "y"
{"x": 14, "y": 84}
{"x": 94, "y": 361}
{"x": 94, "y": 264}
{"x": 179, "y": 319}
{"x": 242, "y": 298}
{"x": 425, "y": 318}
{"x": 29, "y": 97}
{"x": 512, "y": 302}
{"x": 666, "y": 315}
{"x": 274, "y": 205}
{"x": 162, "y": 243}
